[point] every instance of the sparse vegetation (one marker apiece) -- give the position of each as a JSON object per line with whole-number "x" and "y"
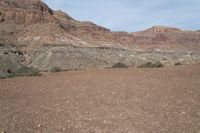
{"x": 151, "y": 65}
{"x": 178, "y": 64}
{"x": 3, "y": 75}
{"x": 120, "y": 65}
{"x": 56, "y": 69}
{"x": 25, "y": 71}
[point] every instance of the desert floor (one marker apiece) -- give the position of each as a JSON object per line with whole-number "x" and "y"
{"x": 97, "y": 101}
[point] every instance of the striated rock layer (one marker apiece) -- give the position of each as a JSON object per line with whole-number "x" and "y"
{"x": 33, "y": 22}
{"x": 48, "y": 38}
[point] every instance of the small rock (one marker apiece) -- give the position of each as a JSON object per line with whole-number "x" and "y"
{"x": 113, "y": 93}
{"x": 39, "y": 125}
{"x": 63, "y": 129}
{"x": 183, "y": 113}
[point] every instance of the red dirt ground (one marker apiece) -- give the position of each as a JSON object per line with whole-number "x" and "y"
{"x": 165, "y": 100}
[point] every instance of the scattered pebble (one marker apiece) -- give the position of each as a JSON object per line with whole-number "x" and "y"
{"x": 39, "y": 125}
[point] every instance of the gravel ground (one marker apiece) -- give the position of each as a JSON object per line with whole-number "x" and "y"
{"x": 165, "y": 100}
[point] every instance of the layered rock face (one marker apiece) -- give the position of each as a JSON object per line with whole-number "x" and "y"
{"x": 168, "y": 39}
{"x": 47, "y": 38}
{"x": 25, "y": 12}
{"x": 33, "y": 22}
{"x": 157, "y": 38}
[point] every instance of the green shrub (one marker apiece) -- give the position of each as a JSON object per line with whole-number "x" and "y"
{"x": 25, "y": 71}
{"x": 56, "y": 69}
{"x": 120, "y": 65}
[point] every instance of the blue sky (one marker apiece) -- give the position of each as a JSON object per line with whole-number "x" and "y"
{"x": 133, "y": 15}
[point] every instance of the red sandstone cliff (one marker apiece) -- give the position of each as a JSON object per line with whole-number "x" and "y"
{"x": 33, "y": 23}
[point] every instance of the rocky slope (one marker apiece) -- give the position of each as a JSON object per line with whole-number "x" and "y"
{"x": 46, "y": 38}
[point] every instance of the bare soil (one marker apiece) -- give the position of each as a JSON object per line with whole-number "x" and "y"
{"x": 165, "y": 100}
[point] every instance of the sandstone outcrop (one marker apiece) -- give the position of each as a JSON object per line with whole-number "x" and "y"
{"x": 48, "y": 38}
{"x": 24, "y": 19}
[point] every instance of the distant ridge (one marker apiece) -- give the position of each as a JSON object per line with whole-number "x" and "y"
{"x": 32, "y": 22}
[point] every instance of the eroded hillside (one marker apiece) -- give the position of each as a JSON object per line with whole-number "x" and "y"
{"x": 46, "y": 38}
